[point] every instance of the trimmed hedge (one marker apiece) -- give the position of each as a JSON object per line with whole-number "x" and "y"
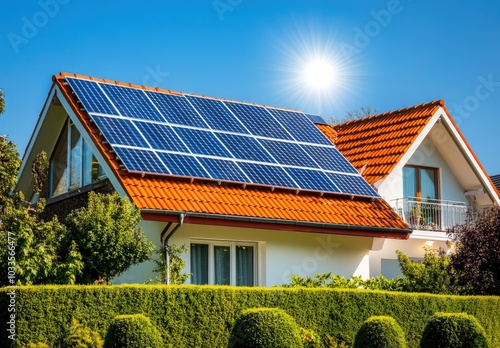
{"x": 202, "y": 316}
{"x": 453, "y": 330}
{"x": 265, "y": 328}
{"x": 132, "y": 331}
{"x": 380, "y": 332}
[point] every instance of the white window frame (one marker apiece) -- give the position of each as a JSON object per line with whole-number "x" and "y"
{"x": 232, "y": 247}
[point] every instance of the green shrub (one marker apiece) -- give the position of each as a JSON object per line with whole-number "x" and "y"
{"x": 203, "y": 316}
{"x": 79, "y": 336}
{"x": 310, "y": 339}
{"x": 132, "y": 331}
{"x": 457, "y": 330}
{"x": 36, "y": 345}
{"x": 380, "y": 332}
{"x": 265, "y": 328}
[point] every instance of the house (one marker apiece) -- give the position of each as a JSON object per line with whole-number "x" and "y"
{"x": 421, "y": 164}
{"x": 257, "y": 193}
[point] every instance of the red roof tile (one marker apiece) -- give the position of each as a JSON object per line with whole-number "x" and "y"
{"x": 208, "y": 202}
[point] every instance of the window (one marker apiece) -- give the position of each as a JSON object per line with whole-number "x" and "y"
{"x": 72, "y": 152}
{"x": 420, "y": 182}
{"x": 223, "y": 263}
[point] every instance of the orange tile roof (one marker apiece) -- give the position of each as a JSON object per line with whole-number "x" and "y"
{"x": 374, "y": 145}
{"x": 208, "y": 202}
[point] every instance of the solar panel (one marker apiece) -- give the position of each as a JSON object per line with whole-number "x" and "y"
{"x": 199, "y": 137}
{"x": 316, "y": 119}
{"x": 258, "y": 120}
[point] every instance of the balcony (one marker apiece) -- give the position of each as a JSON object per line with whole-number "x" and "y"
{"x": 430, "y": 214}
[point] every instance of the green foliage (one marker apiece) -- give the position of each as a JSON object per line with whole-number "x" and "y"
{"x": 310, "y": 339}
{"x": 332, "y": 343}
{"x": 36, "y": 345}
{"x": 265, "y": 328}
{"x": 176, "y": 262}
{"x": 202, "y": 316}
{"x": 79, "y": 336}
{"x": 9, "y": 168}
{"x": 453, "y": 330}
{"x": 476, "y": 260}
{"x": 330, "y": 280}
{"x": 107, "y": 237}
{"x": 132, "y": 331}
{"x": 432, "y": 275}
{"x": 380, "y": 332}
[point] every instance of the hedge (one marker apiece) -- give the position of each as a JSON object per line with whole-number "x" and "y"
{"x": 203, "y": 316}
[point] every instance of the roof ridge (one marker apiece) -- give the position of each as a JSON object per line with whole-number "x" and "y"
{"x": 169, "y": 91}
{"x": 437, "y": 102}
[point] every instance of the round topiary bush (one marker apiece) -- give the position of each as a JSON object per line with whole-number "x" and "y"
{"x": 265, "y": 328}
{"x": 457, "y": 330}
{"x": 132, "y": 331}
{"x": 380, "y": 332}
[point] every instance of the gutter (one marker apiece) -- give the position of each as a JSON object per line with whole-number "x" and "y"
{"x": 165, "y": 243}
{"x": 276, "y": 221}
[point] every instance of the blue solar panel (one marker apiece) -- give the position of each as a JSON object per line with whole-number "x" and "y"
{"x": 247, "y": 148}
{"x": 267, "y": 175}
{"x": 315, "y": 180}
{"x": 182, "y": 165}
{"x": 137, "y": 160}
{"x": 201, "y": 142}
{"x": 176, "y": 109}
{"x": 316, "y": 119}
{"x": 91, "y": 96}
{"x": 119, "y": 131}
{"x": 161, "y": 136}
{"x": 288, "y": 153}
{"x": 353, "y": 184}
{"x": 299, "y": 126}
{"x": 216, "y": 114}
{"x": 223, "y": 169}
{"x": 258, "y": 121}
{"x": 132, "y": 102}
{"x": 199, "y": 137}
{"x": 329, "y": 158}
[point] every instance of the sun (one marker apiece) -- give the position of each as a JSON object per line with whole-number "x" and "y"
{"x": 319, "y": 73}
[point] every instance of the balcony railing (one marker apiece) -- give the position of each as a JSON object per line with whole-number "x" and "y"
{"x": 430, "y": 214}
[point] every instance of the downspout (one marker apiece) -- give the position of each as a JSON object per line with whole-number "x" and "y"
{"x": 165, "y": 244}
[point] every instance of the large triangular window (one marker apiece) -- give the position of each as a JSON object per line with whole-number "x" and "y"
{"x": 72, "y": 164}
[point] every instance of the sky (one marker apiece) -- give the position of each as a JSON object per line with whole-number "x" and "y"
{"x": 321, "y": 57}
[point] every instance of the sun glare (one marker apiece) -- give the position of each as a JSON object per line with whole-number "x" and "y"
{"x": 319, "y": 73}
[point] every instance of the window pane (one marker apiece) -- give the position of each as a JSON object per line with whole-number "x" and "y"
{"x": 199, "y": 263}
{"x": 59, "y": 165}
{"x": 409, "y": 182}
{"x": 87, "y": 164}
{"x": 244, "y": 265}
{"x": 75, "y": 158}
{"x": 428, "y": 183}
{"x": 222, "y": 265}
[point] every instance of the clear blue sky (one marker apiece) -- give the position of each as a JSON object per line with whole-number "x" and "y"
{"x": 387, "y": 54}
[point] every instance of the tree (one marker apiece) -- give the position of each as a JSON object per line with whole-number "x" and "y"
{"x": 176, "y": 263}
{"x": 476, "y": 260}
{"x": 356, "y": 114}
{"x": 107, "y": 236}
{"x": 432, "y": 275}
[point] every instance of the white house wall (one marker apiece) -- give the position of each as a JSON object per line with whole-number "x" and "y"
{"x": 280, "y": 253}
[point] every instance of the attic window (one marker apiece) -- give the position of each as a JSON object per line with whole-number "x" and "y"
{"x": 72, "y": 164}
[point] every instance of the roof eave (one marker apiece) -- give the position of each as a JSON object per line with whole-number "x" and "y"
{"x": 275, "y": 224}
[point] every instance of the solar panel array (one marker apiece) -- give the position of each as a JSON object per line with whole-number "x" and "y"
{"x": 198, "y": 137}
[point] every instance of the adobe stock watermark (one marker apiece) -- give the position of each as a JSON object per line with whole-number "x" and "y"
{"x": 31, "y": 25}
{"x": 11, "y": 279}
{"x": 363, "y": 36}
{"x": 483, "y": 91}
{"x": 154, "y": 77}
{"x": 223, "y": 6}
{"x": 325, "y": 249}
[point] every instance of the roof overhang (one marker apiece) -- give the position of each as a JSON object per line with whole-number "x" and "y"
{"x": 274, "y": 224}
